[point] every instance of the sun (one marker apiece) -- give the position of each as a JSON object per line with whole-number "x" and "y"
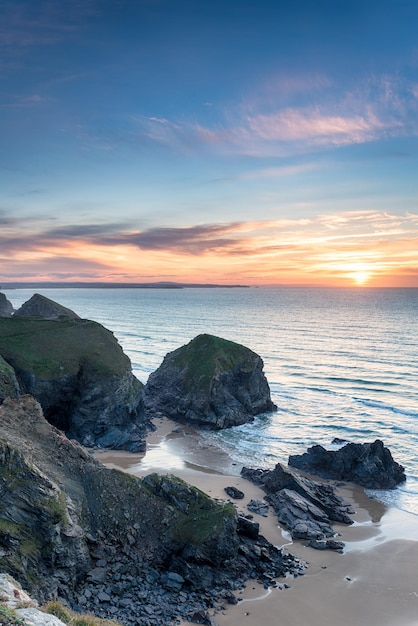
{"x": 361, "y": 277}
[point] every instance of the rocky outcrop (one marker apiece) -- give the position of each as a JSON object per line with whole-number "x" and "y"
{"x": 305, "y": 507}
{"x": 41, "y": 306}
{"x": 71, "y": 527}
{"x": 368, "y": 464}
{"x": 79, "y": 373}
{"x": 6, "y": 307}
{"x": 209, "y": 382}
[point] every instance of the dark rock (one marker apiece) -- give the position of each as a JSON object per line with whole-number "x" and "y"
{"x": 259, "y": 507}
{"x": 235, "y": 493}
{"x": 368, "y": 464}
{"x": 210, "y": 382}
{"x": 303, "y": 519}
{"x": 307, "y": 508}
{"x": 339, "y": 441}
{"x": 78, "y": 372}
{"x": 40, "y": 306}
{"x": 62, "y": 513}
{"x": 247, "y": 528}
{"x": 9, "y": 386}
{"x": 6, "y": 307}
{"x": 328, "y": 544}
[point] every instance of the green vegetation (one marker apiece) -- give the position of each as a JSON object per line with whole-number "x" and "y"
{"x": 8, "y": 617}
{"x": 75, "y": 619}
{"x": 207, "y": 356}
{"x": 55, "y": 508}
{"x": 55, "y": 348}
{"x": 199, "y": 517}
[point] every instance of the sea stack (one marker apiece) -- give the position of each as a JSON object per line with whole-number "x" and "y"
{"x": 209, "y": 382}
{"x": 6, "y": 307}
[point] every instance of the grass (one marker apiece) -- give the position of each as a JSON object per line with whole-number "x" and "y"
{"x": 9, "y": 618}
{"x": 54, "y": 348}
{"x": 75, "y": 619}
{"x": 207, "y": 356}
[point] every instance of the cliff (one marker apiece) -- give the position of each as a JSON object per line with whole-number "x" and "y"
{"x": 210, "y": 382}
{"x": 80, "y": 375}
{"x": 71, "y": 527}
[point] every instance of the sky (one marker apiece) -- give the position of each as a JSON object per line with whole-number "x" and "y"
{"x": 237, "y": 142}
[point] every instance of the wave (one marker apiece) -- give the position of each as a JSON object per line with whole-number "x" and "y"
{"x": 385, "y": 407}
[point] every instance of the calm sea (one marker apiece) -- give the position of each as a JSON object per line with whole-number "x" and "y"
{"x": 340, "y": 362}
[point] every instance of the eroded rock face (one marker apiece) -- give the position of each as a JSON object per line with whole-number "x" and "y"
{"x": 209, "y": 382}
{"x": 6, "y": 307}
{"x": 9, "y": 387}
{"x": 41, "y": 306}
{"x": 79, "y": 373}
{"x": 368, "y": 464}
{"x": 307, "y": 508}
{"x": 70, "y": 526}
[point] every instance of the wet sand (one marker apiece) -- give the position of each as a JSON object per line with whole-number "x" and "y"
{"x": 374, "y": 583}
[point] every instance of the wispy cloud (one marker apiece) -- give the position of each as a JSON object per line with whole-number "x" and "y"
{"x": 379, "y": 107}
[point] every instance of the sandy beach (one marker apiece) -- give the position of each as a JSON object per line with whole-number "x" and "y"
{"x": 374, "y": 583}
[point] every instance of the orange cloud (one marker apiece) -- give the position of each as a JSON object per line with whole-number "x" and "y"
{"x": 369, "y": 247}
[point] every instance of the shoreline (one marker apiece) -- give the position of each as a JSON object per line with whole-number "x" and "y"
{"x": 372, "y": 583}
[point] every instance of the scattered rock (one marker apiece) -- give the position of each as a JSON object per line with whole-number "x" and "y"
{"x": 209, "y": 382}
{"x": 368, "y": 464}
{"x": 307, "y": 508}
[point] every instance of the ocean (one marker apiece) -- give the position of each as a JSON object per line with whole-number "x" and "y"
{"x": 340, "y": 362}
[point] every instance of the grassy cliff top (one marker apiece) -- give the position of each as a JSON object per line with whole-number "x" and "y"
{"x": 207, "y": 357}
{"x": 54, "y": 348}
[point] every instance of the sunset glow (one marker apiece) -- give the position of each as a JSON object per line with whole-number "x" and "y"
{"x": 133, "y": 150}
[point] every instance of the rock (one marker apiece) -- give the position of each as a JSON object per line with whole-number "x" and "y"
{"x": 12, "y": 593}
{"x": 9, "y": 386}
{"x": 78, "y": 372}
{"x": 307, "y": 508}
{"x": 209, "y": 382}
{"x": 303, "y": 519}
{"x": 329, "y": 544}
{"x": 259, "y": 507}
{"x": 368, "y": 464}
{"x": 248, "y": 528}
{"x": 35, "y": 617}
{"x": 62, "y": 513}
{"x": 235, "y": 493}
{"x": 6, "y": 307}
{"x": 40, "y": 306}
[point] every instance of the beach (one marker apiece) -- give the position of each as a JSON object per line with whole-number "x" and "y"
{"x": 373, "y": 583}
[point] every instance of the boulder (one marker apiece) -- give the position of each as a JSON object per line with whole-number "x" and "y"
{"x": 41, "y": 306}
{"x": 6, "y": 307}
{"x": 80, "y": 375}
{"x": 368, "y": 464}
{"x": 209, "y": 382}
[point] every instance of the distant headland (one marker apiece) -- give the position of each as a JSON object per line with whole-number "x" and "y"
{"x": 105, "y": 285}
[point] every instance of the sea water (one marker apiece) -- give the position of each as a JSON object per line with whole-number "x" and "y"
{"x": 340, "y": 362}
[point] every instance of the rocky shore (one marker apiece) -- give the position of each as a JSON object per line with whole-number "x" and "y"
{"x": 149, "y": 549}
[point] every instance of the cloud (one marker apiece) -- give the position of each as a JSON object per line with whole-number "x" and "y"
{"x": 378, "y": 108}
